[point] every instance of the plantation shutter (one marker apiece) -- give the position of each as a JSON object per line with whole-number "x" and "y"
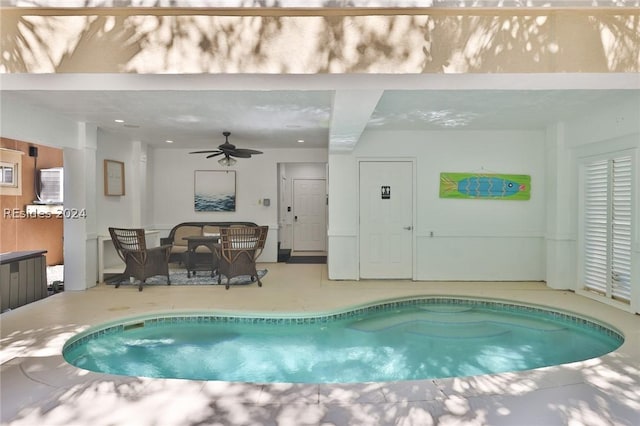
{"x": 607, "y": 227}
{"x": 621, "y": 229}
{"x": 596, "y": 201}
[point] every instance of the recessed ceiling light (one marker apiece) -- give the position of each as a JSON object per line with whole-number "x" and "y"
{"x": 300, "y": 140}
{"x": 119, "y": 121}
{"x": 169, "y": 141}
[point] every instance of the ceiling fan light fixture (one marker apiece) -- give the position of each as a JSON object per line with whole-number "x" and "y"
{"x": 227, "y": 161}
{"x": 229, "y": 151}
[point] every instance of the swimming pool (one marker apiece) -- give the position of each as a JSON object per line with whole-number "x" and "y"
{"x": 408, "y": 339}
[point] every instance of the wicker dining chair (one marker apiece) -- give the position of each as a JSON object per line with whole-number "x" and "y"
{"x": 140, "y": 262}
{"x": 238, "y": 250}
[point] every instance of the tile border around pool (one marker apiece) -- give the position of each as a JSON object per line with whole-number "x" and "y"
{"x": 302, "y": 319}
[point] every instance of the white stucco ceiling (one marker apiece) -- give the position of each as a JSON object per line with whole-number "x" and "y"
{"x": 266, "y": 112}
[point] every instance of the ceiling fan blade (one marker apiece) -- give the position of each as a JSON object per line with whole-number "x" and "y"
{"x": 235, "y": 153}
{"x": 228, "y": 150}
{"x": 215, "y": 155}
{"x": 248, "y": 151}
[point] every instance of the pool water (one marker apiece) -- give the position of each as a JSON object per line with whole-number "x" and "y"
{"x": 419, "y": 341}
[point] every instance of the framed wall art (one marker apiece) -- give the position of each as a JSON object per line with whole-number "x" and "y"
{"x": 214, "y": 191}
{"x": 113, "y": 177}
{"x": 485, "y": 186}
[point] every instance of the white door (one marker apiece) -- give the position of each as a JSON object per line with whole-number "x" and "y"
{"x": 309, "y": 215}
{"x": 386, "y": 219}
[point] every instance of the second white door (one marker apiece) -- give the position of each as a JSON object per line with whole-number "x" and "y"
{"x": 310, "y": 215}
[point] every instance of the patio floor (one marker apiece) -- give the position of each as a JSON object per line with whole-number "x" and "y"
{"x": 39, "y": 388}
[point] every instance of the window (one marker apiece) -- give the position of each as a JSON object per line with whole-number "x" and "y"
{"x": 606, "y": 227}
{"x": 10, "y": 174}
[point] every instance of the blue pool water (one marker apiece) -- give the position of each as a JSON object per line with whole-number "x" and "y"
{"x": 407, "y": 340}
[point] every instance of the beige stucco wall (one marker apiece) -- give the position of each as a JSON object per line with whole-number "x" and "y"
{"x": 174, "y": 41}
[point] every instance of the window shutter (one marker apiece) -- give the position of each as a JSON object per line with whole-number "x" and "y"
{"x": 621, "y": 228}
{"x": 607, "y": 209}
{"x": 596, "y": 201}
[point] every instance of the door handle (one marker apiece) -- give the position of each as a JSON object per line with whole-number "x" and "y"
{"x": 408, "y": 228}
{"x": 295, "y": 218}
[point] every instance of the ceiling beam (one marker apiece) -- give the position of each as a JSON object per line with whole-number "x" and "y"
{"x": 350, "y": 114}
{"x": 339, "y": 82}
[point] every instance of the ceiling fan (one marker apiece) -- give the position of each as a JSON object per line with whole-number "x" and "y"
{"x": 229, "y": 150}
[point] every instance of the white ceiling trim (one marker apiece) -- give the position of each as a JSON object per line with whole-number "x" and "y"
{"x": 164, "y": 82}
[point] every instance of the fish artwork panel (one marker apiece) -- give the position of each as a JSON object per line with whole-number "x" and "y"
{"x": 485, "y": 186}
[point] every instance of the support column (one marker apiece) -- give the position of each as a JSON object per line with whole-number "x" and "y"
{"x": 80, "y": 238}
{"x": 137, "y": 185}
{"x": 560, "y": 237}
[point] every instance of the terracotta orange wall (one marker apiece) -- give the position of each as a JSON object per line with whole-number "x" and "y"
{"x": 30, "y": 233}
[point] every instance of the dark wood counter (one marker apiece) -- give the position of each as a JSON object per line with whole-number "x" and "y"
{"x": 16, "y": 256}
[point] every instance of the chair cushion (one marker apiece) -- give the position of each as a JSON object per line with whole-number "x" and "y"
{"x": 185, "y": 231}
{"x": 211, "y": 231}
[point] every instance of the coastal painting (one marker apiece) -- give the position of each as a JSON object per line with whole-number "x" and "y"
{"x": 485, "y": 186}
{"x": 215, "y": 191}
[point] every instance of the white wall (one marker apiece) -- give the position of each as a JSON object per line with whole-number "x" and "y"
{"x": 472, "y": 239}
{"x": 256, "y": 178}
{"x": 29, "y": 123}
{"x": 560, "y": 238}
{"x": 114, "y": 210}
{"x": 342, "y": 252}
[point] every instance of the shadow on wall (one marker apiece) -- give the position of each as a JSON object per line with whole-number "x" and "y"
{"x": 451, "y": 41}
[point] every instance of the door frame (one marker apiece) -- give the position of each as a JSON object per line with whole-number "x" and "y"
{"x": 414, "y": 193}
